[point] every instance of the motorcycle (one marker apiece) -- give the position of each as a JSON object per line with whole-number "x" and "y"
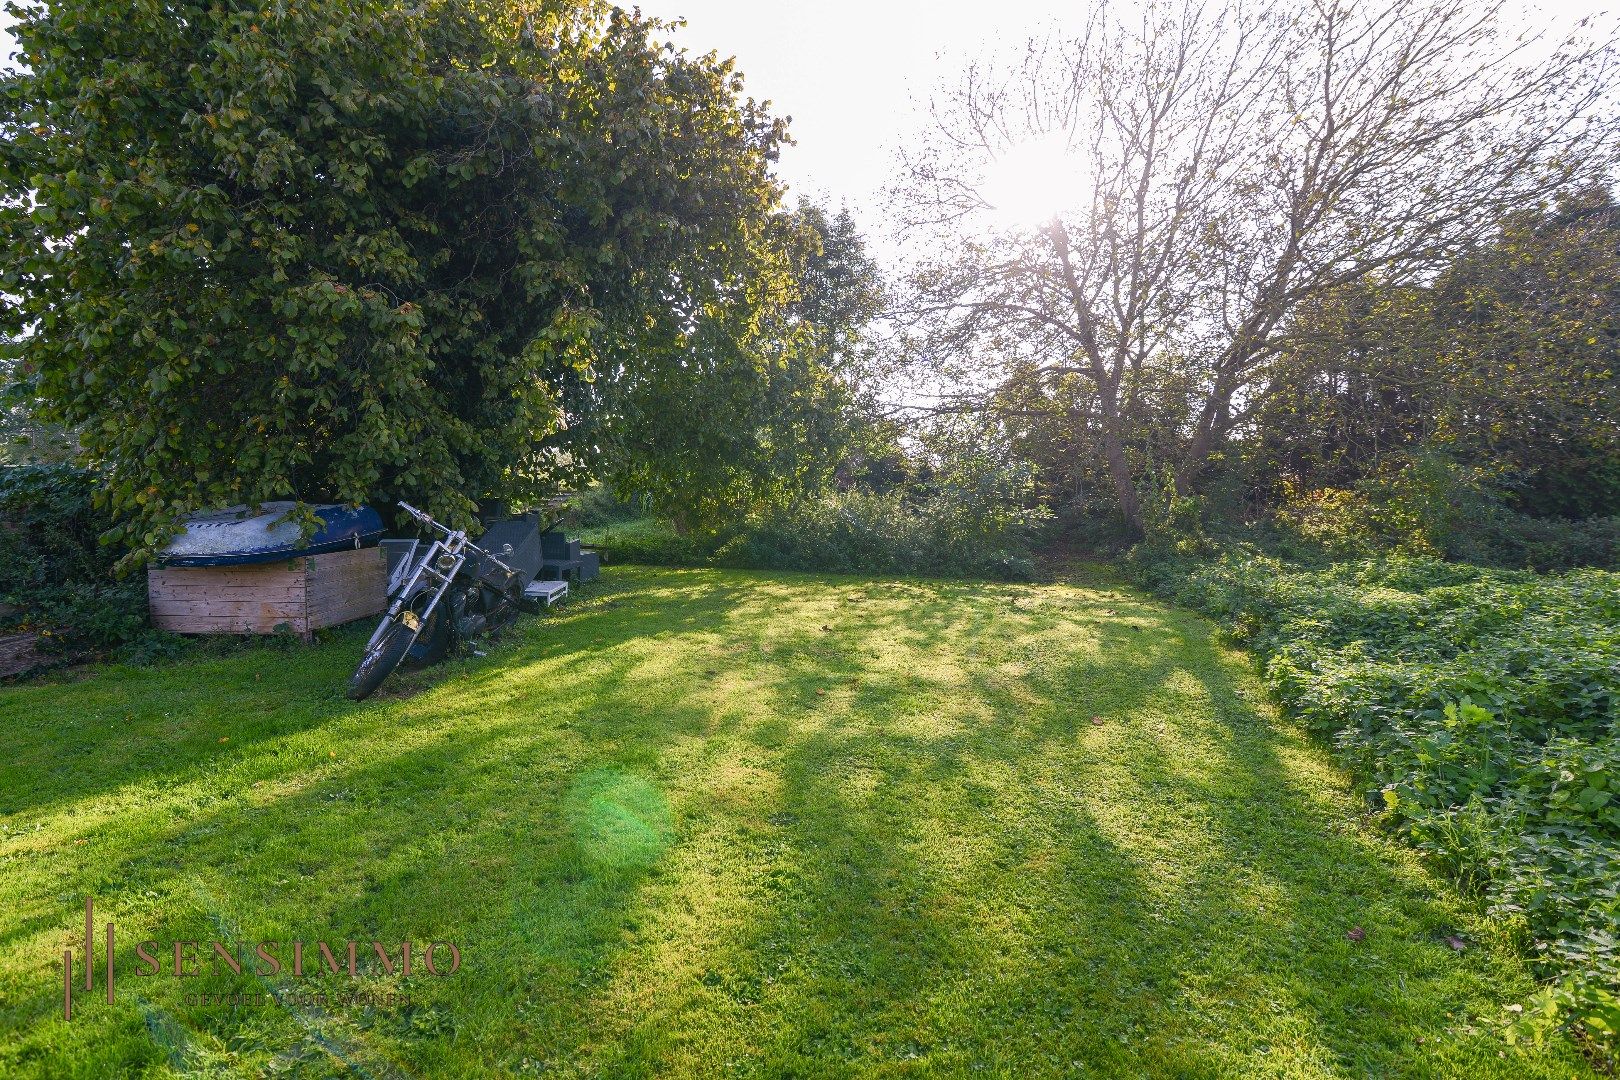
{"x": 449, "y": 589}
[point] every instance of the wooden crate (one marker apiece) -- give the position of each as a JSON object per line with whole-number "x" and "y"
{"x": 302, "y": 594}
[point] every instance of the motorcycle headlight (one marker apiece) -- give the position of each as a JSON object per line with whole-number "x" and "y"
{"x": 447, "y": 562}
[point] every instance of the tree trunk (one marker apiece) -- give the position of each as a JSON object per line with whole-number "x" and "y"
{"x": 1192, "y": 461}
{"x": 1119, "y": 469}
{"x": 1215, "y": 416}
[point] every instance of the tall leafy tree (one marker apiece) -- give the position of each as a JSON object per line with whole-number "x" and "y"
{"x": 1214, "y": 167}
{"x": 1505, "y": 362}
{"x": 364, "y": 249}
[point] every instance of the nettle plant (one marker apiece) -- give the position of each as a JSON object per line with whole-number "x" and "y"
{"x": 1480, "y": 712}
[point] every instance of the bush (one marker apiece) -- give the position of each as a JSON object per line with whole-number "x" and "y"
{"x": 1429, "y": 505}
{"x": 1505, "y": 538}
{"x": 56, "y": 577}
{"x": 645, "y": 540}
{"x": 598, "y": 506}
{"x": 860, "y": 532}
{"x": 1479, "y": 710}
{"x": 850, "y": 532}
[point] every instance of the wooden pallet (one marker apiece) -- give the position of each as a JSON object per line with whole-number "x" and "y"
{"x": 301, "y": 594}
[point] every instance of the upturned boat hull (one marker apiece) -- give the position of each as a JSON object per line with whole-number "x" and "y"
{"x": 237, "y": 536}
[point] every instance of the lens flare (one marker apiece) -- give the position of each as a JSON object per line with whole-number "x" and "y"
{"x": 1033, "y": 181}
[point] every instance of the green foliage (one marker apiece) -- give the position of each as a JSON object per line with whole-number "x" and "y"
{"x": 841, "y": 532}
{"x": 862, "y": 532}
{"x": 55, "y": 578}
{"x": 598, "y": 505}
{"x": 763, "y": 412}
{"x": 1480, "y": 711}
{"x": 841, "y": 290}
{"x": 1171, "y": 522}
{"x": 1426, "y": 504}
{"x": 1503, "y": 537}
{"x": 1500, "y": 371}
{"x": 363, "y": 249}
{"x": 648, "y": 540}
{"x": 24, "y": 438}
{"x": 967, "y": 509}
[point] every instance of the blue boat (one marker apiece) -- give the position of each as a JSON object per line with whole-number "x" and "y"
{"x": 238, "y": 535}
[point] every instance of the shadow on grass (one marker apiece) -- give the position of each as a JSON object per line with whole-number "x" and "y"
{"x": 1134, "y": 942}
{"x": 770, "y": 823}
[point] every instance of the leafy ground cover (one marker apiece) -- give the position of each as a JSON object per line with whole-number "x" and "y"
{"x": 714, "y": 823}
{"x": 1479, "y": 711}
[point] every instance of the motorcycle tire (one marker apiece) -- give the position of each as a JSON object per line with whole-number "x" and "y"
{"x": 381, "y": 661}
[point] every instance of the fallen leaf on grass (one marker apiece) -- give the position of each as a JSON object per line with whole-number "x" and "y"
{"x": 1096, "y": 720}
{"x": 224, "y": 738}
{"x": 1357, "y": 934}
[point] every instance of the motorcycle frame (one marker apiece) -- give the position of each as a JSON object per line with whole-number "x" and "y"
{"x": 455, "y": 545}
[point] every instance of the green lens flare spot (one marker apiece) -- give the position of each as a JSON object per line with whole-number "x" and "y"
{"x": 618, "y": 820}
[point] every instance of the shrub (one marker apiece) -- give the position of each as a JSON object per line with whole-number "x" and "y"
{"x": 1503, "y": 537}
{"x": 645, "y": 540}
{"x": 1479, "y": 710}
{"x": 56, "y": 578}
{"x": 860, "y": 532}
{"x": 849, "y": 532}
{"x": 1426, "y": 504}
{"x": 598, "y": 506}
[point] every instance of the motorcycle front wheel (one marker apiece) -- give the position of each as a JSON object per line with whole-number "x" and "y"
{"x": 381, "y": 660}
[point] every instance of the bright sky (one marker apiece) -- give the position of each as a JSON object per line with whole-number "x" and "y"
{"x": 856, "y": 75}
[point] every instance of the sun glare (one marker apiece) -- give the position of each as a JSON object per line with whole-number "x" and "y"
{"x": 1032, "y": 181}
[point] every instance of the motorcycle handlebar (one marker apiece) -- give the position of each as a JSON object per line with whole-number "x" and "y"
{"x": 428, "y": 520}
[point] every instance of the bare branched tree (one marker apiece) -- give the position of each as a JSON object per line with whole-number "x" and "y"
{"x": 1225, "y": 164}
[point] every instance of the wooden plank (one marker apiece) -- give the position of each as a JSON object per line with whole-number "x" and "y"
{"x": 338, "y": 565}
{"x": 370, "y": 570}
{"x": 360, "y": 590}
{"x": 201, "y": 590}
{"x": 283, "y": 608}
{"x": 360, "y": 604}
{"x": 224, "y": 575}
{"x": 365, "y": 586}
{"x": 221, "y": 624}
{"x": 252, "y": 599}
{"x": 356, "y": 608}
{"x": 375, "y": 586}
{"x": 338, "y": 618}
{"x": 279, "y": 581}
{"x": 347, "y": 585}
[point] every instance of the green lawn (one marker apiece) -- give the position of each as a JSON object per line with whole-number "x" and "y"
{"x": 714, "y": 823}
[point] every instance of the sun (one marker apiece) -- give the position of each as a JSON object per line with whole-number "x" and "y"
{"x": 1032, "y": 181}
